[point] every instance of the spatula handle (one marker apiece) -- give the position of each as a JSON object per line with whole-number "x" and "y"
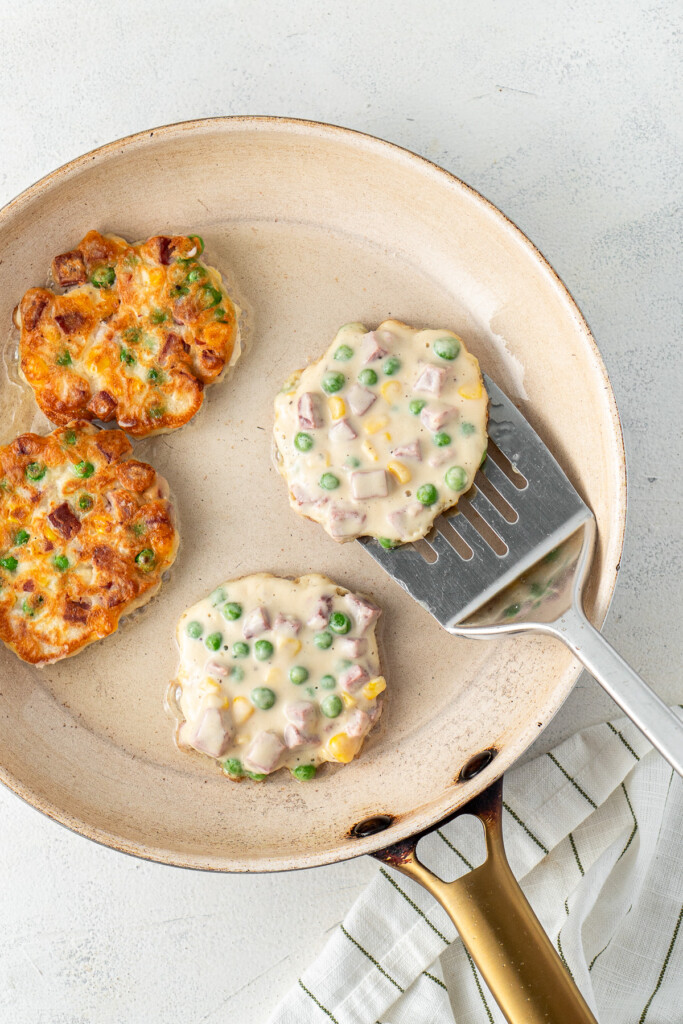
{"x": 498, "y": 927}
{"x": 642, "y": 705}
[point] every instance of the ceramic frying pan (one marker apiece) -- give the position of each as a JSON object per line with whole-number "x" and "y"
{"x": 317, "y": 226}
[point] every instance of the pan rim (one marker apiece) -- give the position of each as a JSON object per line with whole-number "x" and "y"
{"x": 508, "y": 756}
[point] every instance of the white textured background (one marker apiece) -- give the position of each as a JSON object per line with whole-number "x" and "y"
{"x": 567, "y": 115}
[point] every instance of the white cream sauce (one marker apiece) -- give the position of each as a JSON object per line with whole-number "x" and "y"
{"x": 291, "y": 680}
{"x": 382, "y": 433}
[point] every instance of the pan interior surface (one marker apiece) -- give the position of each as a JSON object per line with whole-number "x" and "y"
{"x": 316, "y": 226}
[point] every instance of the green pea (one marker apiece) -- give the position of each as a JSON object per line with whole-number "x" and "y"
{"x": 156, "y": 412}
{"x": 352, "y": 462}
{"x": 343, "y": 354}
{"x": 298, "y": 674}
{"x": 132, "y": 335}
{"x": 304, "y": 772}
{"x": 304, "y": 442}
{"x": 310, "y": 690}
{"x": 217, "y": 596}
{"x": 178, "y": 291}
{"x": 427, "y": 494}
{"x": 391, "y": 366}
{"x": 537, "y": 590}
{"x": 240, "y": 649}
{"x": 340, "y": 623}
{"x": 9, "y": 562}
{"x": 467, "y": 429}
{"x": 21, "y": 536}
{"x": 30, "y": 606}
{"x": 232, "y": 610}
{"x": 85, "y": 502}
{"x": 511, "y": 611}
{"x": 61, "y": 562}
{"x": 145, "y": 559}
{"x": 84, "y": 469}
{"x": 483, "y": 459}
{"x": 195, "y": 274}
{"x": 158, "y": 316}
{"x": 233, "y": 767}
{"x": 36, "y": 470}
{"x": 387, "y": 543}
{"x": 552, "y": 555}
{"x": 456, "y": 478}
{"x": 218, "y": 313}
{"x": 447, "y": 348}
{"x": 138, "y": 529}
{"x": 367, "y": 377}
{"x": 64, "y": 358}
{"x": 328, "y": 682}
{"x": 194, "y": 630}
{"x": 255, "y": 776}
{"x": 263, "y": 649}
{"x": 127, "y": 357}
{"x": 210, "y": 296}
{"x": 103, "y": 277}
{"x": 417, "y": 405}
{"x": 333, "y": 382}
{"x": 214, "y": 641}
{"x": 70, "y": 437}
{"x": 441, "y": 439}
{"x": 237, "y": 673}
{"x": 262, "y": 697}
{"x": 323, "y": 640}
{"x": 329, "y": 481}
{"x": 199, "y": 242}
{"x": 343, "y": 663}
{"x": 331, "y": 706}
{"x": 154, "y": 376}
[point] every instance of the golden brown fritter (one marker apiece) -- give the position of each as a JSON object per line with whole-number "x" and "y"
{"x": 84, "y": 538}
{"x": 137, "y": 334}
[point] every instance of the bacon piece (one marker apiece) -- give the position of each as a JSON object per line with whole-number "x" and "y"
{"x": 295, "y": 737}
{"x": 360, "y": 399}
{"x": 112, "y": 444}
{"x": 345, "y": 522}
{"x": 308, "y": 412}
{"x": 256, "y": 622}
{"x": 162, "y": 248}
{"x": 213, "y": 733}
{"x": 358, "y": 723}
{"x": 71, "y": 321}
{"x": 369, "y": 484}
{"x": 408, "y": 451}
{"x": 351, "y": 679}
{"x": 364, "y": 612}
{"x": 102, "y": 405}
{"x": 103, "y": 557}
{"x": 263, "y": 753}
{"x": 403, "y": 519}
{"x": 287, "y": 624}
{"x": 124, "y": 505}
{"x": 28, "y": 444}
{"x": 68, "y": 269}
{"x": 211, "y": 361}
{"x": 353, "y": 646}
{"x": 32, "y": 307}
{"x": 342, "y": 431}
{"x": 217, "y": 668}
{"x": 29, "y": 586}
{"x": 434, "y": 417}
{"x": 136, "y": 476}
{"x": 372, "y": 345}
{"x": 302, "y": 713}
{"x": 305, "y": 497}
{"x": 75, "y": 611}
{"x": 64, "y": 521}
{"x": 173, "y": 348}
{"x": 321, "y": 612}
{"x": 431, "y": 379}
{"x": 441, "y": 456}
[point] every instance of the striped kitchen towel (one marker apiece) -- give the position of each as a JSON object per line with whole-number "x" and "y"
{"x": 594, "y": 830}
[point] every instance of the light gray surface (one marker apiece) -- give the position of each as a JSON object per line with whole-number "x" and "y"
{"x": 567, "y": 117}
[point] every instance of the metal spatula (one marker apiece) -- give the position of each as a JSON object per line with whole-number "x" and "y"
{"x": 514, "y": 558}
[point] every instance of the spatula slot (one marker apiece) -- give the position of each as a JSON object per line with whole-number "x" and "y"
{"x": 447, "y": 531}
{"x": 503, "y": 463}
{"x": 506, "y": 510}
{"x": 425, "y": 550}
{"x": 486, "y": 532}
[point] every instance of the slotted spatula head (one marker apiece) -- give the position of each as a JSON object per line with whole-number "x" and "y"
{"x": 509, "y": 555}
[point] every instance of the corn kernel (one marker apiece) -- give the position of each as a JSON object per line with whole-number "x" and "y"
{"x": 337, "y": 407}
{"x": 391, "y": 391}
{"x": 273, "y": 676}
{"x": 241, "y": 710}
{"x": 369, "y": 451}
{"x": 386, "y": 435}
{"x": 226, "y": 704}
{"x": 470, "y": 390}
{"x": 156, "y": 277}
{"x": 288, "y": 645}
{"x": 49, "y": 532}
{"x": 219, "y": 336}
{"x": 401, "y": 472}
{"x": 349, "y": 701}
{"x": 209, "y": 685}
{"x": 375, "y": 424}
{"x": 101, "y": 523}
{"x": 375, "y": 687}
{"x": 343, "y": 748}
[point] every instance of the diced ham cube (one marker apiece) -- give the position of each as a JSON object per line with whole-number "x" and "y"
{"x": 358, "y": 723}
{"x": 408, "y": 451}
{"x": 264, "y": 753}
{"x": 370, "y": 484}
{"x": 345, "y": 522}
{"x": 441, "y": 456}
{"x": 433, "y": 417}
{"x": 360, "y": 399}
{"x": 287, "y": 624}
{"x": 256, "y": 622}
{"x": 213, "y": 733}
{"x": 296, "y": 737}
{"x": 403, "y": 519}
{"x": 363, "y": 612}
{"x": 342, "y": 431}
{"x": 303, "y": 496}
{"x": 321, "y": 613}
{"x": 215, "y": 668}
{"x": 431, "y": 379}
{"x": 301, "y": 712}
{"x": 308, "y": 412}
{"x": 351, "y": 679}
{"x": 374, "y": 345}
{"x": 353, "y": 646}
